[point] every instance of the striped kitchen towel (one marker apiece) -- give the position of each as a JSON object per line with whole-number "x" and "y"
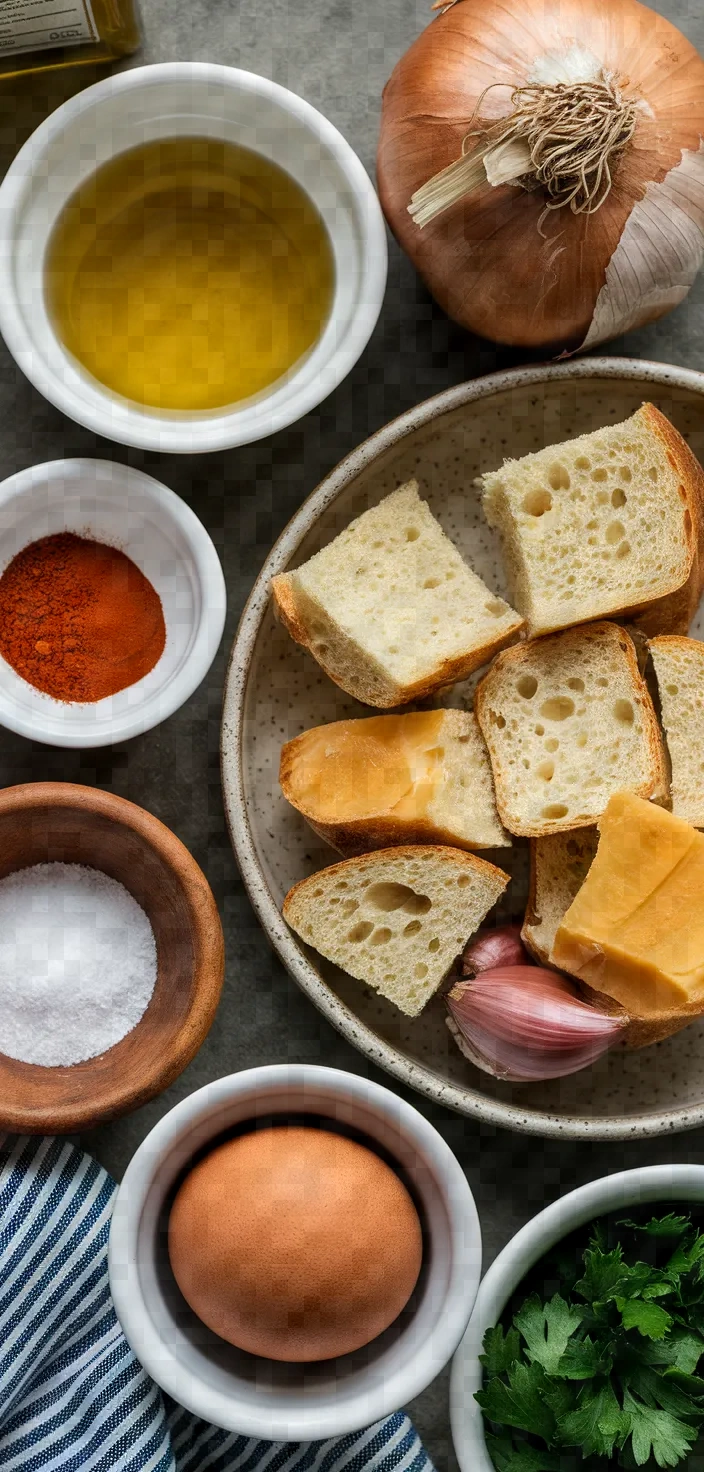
{"x": 72, "y": 1394}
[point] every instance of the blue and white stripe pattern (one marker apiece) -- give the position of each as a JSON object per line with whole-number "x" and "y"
{"x": 72, "y": 1394}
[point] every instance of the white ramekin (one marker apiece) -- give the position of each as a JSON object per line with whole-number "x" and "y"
{"x": 158, "y": 531}
{"x": 165, "y": 101}
{"x": 627, "y": 1188}
{"x": 258, "y": 1397}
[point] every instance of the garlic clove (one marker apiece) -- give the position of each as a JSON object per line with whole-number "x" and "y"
{"x": 492, "y": 948}
{"x": 526, "y": 1024}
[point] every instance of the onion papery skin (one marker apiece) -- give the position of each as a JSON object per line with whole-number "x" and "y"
{"x": 484, "y": 260}
{"x": 525, "y": 1024}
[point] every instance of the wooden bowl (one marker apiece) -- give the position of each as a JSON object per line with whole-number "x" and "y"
{"x": 42, "y": 822}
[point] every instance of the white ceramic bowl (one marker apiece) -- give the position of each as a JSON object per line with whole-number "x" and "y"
{"x": 259, "y": 1397}
{"x": 627, "y": 1188}
{"x": 159, "y": 532}
{"x": 164, "y": 101}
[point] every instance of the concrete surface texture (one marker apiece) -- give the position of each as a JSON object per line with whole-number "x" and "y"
{"x": 337, "y": 54}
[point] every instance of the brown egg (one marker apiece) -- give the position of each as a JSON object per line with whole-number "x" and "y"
{"x": 295, "y": 1243}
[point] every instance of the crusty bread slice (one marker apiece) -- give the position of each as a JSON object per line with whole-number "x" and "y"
{"x": 398, "y": 918}
{"x": 609, "y": 523}
{"x": 390, "y": 609}
{"x": 558, "y": 867}
{"x": 679, "y": 667}
{"x": 421, "y": 777}
{"x": 568, "y": 720}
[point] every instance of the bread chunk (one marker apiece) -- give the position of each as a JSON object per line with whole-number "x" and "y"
{"x": 568, "y": 721}
{"x": 679, "y": 668}
{"x": 421, "y": 777}
{"x": 398, "y": 918}
{"x": 390, "y": 610}
{"x": 558, "y": 867}
{"x": 609, "y": 523}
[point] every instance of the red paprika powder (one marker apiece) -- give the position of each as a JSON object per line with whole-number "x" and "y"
{"x": 78, "y": 619}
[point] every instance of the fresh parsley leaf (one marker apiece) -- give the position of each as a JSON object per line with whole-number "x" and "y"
{"x": 648, "y": 1318}
{"x": 641, "y": 1281}
{"x": 656, "y": 1433}
{"x": 692, "y": 1384}
{"x": 519, "y": 1401}
{"x": 522, "y": 1456}
{"x": 657, "y": 1287}
{"x": 584, "y": 1360}
{"x": 664, "y": 1226}
{"x": 679, "y": 1263}
{"x": 547, "y": 1329}
{"x": 604, "y": 1272}
{"x": 597, "y": 1425}
{"x": 680, "y": 1349}
{"x": 500, "y": 1351}
{"x": 561, "y": 1396}
{"x": 655, "y": 1388}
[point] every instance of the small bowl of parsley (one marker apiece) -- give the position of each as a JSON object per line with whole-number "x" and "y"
{"x": 585, "y": 1349}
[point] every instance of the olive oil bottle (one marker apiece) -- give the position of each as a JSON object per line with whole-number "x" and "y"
{"x": 38, "y": 35}
{"x": 187, "y": 274}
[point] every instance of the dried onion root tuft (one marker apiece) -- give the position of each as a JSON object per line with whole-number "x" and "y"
{"x": 563, "y": 137}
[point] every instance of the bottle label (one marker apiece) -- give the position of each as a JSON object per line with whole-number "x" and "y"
{"x": 40, "y": 25}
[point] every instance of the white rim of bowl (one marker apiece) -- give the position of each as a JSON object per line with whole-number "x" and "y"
{"x": 208, "y": 633}
{"x": 125, "y": 1225}
{"x": 415, "y": 1075}
{"x": 151, "y": 432}
{"x": 645, "y": 1184}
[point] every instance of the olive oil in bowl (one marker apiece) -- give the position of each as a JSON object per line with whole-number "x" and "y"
{"x": 188, "y": 274}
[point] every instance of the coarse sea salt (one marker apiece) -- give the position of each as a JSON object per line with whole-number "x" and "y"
{"x": 77, "y": 963}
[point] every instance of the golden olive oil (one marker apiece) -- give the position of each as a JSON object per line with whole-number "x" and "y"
{"x": 189, "y": 273}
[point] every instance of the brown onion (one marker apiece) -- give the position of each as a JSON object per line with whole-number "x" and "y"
{"x": 495, "y": 261}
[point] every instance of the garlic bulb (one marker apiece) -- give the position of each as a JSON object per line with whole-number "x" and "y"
{"x": 525, "y": 1024}
{"x": 493, "y": 948}
{"x": 555, "y": 153}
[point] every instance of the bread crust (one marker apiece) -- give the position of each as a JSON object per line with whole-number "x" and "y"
{"x": 383, "y": 829}
{"x": 386, "y": 831}
{"x": 449, "y": 672}
{"x": 511, "y": 659}
{"x": 672, "y": 612}
{"x": 532, "y": 915}
{"x": 693, "y": 813}
{"x": 678, "y": 641}
{"x": 360, "y": 862}
{"x": 285, "y": 607}
{"x": 641, "y": 1032}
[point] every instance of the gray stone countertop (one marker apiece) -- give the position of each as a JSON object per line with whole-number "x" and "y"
{"x": 337, "y": 54}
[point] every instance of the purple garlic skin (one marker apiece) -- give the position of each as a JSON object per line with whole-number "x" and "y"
{"x": 492, "y": 948}
{"x": 526, "y": 1024}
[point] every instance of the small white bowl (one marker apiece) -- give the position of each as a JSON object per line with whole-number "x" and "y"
{"x": 165, "y": 101}
{"x": 260, "y": 1397}
{"x": 627, "y": 1188}
{"x": 158, "y": 531}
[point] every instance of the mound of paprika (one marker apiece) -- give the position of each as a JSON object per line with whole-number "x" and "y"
{"x": 78, "y": 620}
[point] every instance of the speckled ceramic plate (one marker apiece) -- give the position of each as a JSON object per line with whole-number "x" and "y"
{"x": 275, "y": 689}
